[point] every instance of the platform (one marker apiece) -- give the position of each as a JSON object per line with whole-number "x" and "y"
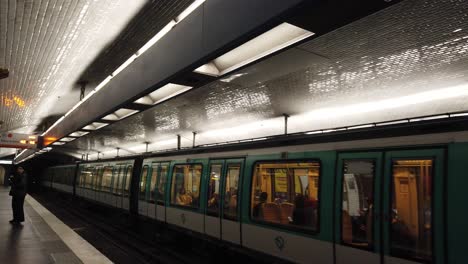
{"x": 42, "y": 238}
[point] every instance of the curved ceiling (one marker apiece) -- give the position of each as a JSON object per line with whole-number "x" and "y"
{"x": 406, "y": 61}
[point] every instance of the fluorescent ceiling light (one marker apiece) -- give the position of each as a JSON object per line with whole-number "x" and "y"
{"x": 162, "y": 94}
{"x": 95, "y": 126}
{"x": 459, "y": 114}
{"x": 67, "y": 139}
{"x": 314, "y": 132}
{"x": 361, "y": 126}
{"x": 156, "y": 37}
{"x": 102, "y": 84}
{"x": 392, "y": 123}
{"x": 124, "y": 65}
{"x": 120, "y": 114}
{"x": 267, "y": 43}
{"x": 189, "y": 10}
{"x": 6, "y": 162}
{"x": 428, "y": 118}
{"x": 78, "y": 134}
{"x": 58, "y": 143}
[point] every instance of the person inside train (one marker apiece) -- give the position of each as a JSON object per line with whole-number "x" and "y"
{"x": 213, "y": 202}
{"x": 18, "y": 191}
{"x": 299, "y": 216}
{"x": 183, "y": 198}
{"x": 262, "y": 199}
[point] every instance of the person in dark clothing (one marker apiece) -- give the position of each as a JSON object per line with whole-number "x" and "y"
{"x": 18, "y": 190}
{"x": 256, "y": 210}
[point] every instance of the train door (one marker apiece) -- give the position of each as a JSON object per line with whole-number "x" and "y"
{"x": 387, "y": 204}
{"x": 213, "y": 201}
{"x": 142, "y": 199}
{"x": 116, "y": 188}
{"x": 221, "y": 216}
{"x": 413, "y": 222}
{"x": 357, "y": 206}
{"x": 126, "y": 187}
{"x": 150, "y": 196}
{"x": 160, "y": 191}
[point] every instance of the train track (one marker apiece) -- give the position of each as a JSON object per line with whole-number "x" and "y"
{"x": 115, "y": 241}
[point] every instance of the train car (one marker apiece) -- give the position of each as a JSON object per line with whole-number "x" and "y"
{"x": 105, "y": 182}
{"x": 60, "y": 178}
{"x": 363, "y": 201}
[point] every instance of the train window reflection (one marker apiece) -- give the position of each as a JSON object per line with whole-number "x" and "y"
{"x": 411, "y": 210}
{"x": 106, "y": 179}
{"x": 88, "y": 177}
{"x": 127, "y": 180}
{"x": 213, "y": 189}
{"x": 286, "y": 193}
{"x": 116, "y": 183}
{"x": 161, "y": 186}
{"x": 143, "y": 179}
{"x": 186, "y": 185}
{"x": 154, "y": 175}
{"x": 357, "y": 202}
{"x": 231, "y": 191}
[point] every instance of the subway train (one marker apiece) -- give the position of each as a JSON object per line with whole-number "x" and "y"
{"x": 359, "y": 199}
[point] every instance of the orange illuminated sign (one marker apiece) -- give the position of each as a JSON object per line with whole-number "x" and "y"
{"x": 17, "y": 140}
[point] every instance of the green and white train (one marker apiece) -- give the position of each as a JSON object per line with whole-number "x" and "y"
{"x": 381, "y": 200}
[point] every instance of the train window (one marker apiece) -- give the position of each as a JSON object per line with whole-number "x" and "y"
{"x": 411, "y": 209}
{"x": 161, "y": 186}
{"x": 213, "y": 190}
{"x": 121, "y": 180}
{"x": 231, "y": 193}
{"x": 286, "y": 193}
{"x": 154, "y": 176}
{"x": 116, "y": 183}
{"x": 98, "y": 178}
{"x": 143, "y": 179}
{"x": 106, "y": 179}
{"x": 357, "y": 201}
{"x": 89, "y": 173}
{"x": 186, "y": 185}
{"x": 127, "y": 179}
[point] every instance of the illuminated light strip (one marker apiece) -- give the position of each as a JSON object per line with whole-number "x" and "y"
{"x": 275, "y": 39}
{"x": 157, "y": 37}
{"x": 124, "y": 65}
{"x": 189, "y": 10}
{"x": 458, "y": 114}
{"x": 129, "y": 61}
{"x": 428, "y": 118}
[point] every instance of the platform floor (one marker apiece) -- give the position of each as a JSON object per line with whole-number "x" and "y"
{"x": 42, "y": 238}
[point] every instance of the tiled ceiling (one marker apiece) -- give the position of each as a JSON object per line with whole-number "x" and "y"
{"x": 50, "y": 45}
{"x": 405, "y": 61}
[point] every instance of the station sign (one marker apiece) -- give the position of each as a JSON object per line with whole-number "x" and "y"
{"x": 17, "y": 140}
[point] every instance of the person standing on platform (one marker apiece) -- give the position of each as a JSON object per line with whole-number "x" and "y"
{"x": 18, "y": 190}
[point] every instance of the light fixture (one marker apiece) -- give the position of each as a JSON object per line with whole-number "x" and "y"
{"x": 58, "y": 143}
{"x": 67, "y": 139}
{"x": 361, "y": 126}
{"x": 459, "y": 114}
{"x": 145, "y": 47}
{"x": 120, "y": 114}
{"x": 428, "y": 118}
{"x": 275, "y": 39}
{"x": 393, "y": 122}
{"x": 157, "y": 37}
{"x": 124, "y": 65}
{"x": 189, "y": 10}
{"x": 162, "y": 94}
{"x": 95, "y": 126}
{"x": 6, "y": 162}
{"x": 78, "y": 134}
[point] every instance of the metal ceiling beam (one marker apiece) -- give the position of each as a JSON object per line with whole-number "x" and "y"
{"x": 210, "y": 29}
